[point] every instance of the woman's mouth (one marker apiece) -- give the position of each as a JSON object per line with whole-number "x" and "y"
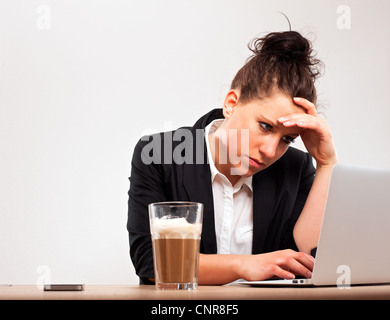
{"x": 256, "y": 164}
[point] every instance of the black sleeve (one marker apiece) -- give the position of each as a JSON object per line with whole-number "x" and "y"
{"x": 305, "y": 183}
{"x": 145, "y": 187}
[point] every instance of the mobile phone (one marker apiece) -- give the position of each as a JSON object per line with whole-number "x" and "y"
{"x": 63, "y": 287}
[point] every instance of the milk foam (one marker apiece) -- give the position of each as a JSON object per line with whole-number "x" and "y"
{"x": 176, "y": 228}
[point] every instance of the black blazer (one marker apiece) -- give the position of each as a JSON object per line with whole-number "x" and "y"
{"x": 279, "y": 193}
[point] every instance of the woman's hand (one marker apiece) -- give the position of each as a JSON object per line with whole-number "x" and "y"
{"x": 225, "y": 268}
{"x": 282, "y": 264}
{"x": 316, "y": 134}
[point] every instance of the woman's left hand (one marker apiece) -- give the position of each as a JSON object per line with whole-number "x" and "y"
{"x": 315, "y": 135}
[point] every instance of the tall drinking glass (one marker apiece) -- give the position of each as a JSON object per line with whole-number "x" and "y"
{"x": 176, "y": 229}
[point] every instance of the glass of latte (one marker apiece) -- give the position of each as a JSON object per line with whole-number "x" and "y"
{"x": 176, "y": 229}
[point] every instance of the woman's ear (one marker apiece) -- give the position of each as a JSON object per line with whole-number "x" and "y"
{"x": 230, "y": 103}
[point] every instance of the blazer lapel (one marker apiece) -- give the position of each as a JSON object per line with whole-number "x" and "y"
{"x": 197, "y": 184}
{"x": 197, "y": 180}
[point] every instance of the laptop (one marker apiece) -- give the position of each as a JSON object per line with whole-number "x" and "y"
{"x": 354, "y": 242}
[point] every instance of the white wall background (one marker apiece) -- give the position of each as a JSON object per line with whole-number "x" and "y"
{"x": 81, "y": 81}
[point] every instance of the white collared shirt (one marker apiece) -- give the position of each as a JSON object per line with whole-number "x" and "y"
{"x": 233, "y": 207}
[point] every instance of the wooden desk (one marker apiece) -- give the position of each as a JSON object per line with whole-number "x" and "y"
{"x": 232, "y": 292}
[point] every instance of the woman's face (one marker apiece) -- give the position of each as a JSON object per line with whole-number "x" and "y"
{"x": 268, "y": 139}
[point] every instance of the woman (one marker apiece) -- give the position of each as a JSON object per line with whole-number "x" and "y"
{"x": 263, "y": 200}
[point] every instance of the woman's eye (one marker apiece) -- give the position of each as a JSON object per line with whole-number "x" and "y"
{"x": 265, "y": 126}
{"x": 288, "y": 140}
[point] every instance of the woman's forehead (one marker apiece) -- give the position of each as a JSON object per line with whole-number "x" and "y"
{"x": 274, "y": 106}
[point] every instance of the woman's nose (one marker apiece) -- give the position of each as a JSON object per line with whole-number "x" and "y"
{"x": 268, "y": 147}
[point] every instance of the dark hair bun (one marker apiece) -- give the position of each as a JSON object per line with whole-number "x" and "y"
{"x": 289, "y": 46}
{"x": 280, "y": 60}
